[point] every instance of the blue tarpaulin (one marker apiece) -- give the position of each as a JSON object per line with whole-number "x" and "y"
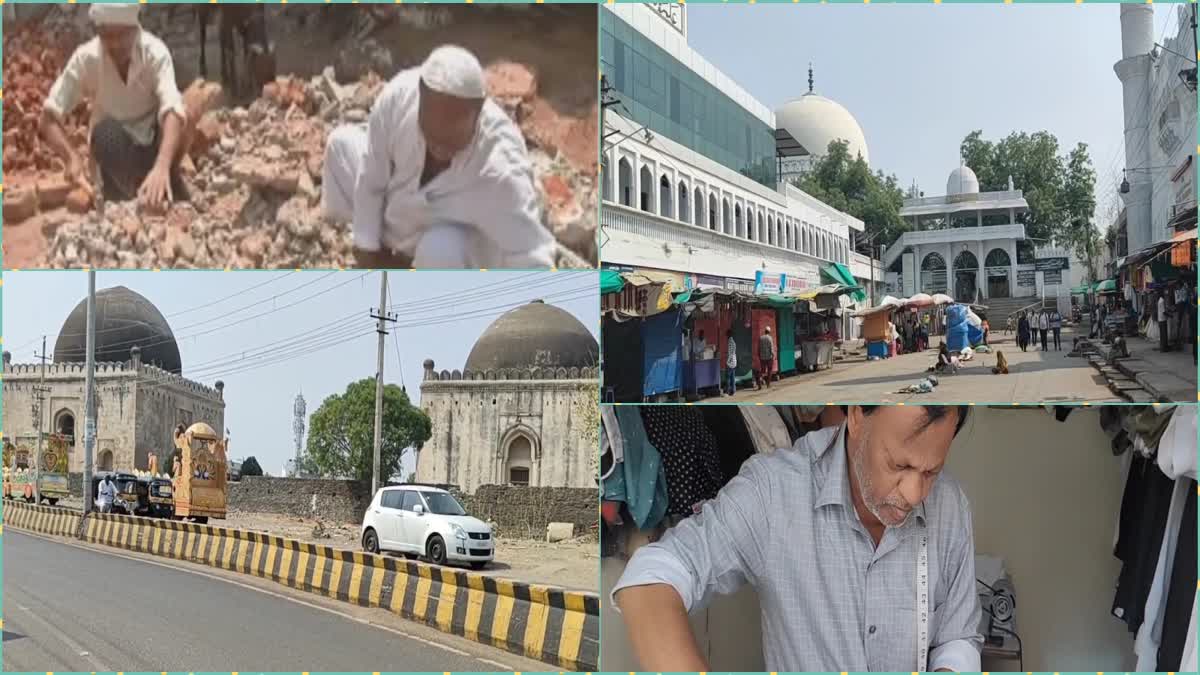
{"x": 957, "y": 327}
{"x": 662, "y": 340}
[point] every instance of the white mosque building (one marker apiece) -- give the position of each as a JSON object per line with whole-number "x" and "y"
{"x": 694, "y": 169}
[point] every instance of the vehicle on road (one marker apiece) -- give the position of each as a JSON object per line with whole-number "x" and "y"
{"x": 160, "y": 497}
{"x": 200, "y": 470}
{"x": 52, "y": 480}
{"x": 424, "y": 520}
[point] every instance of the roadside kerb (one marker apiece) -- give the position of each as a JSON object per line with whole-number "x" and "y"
{"x": 539, "y": 622}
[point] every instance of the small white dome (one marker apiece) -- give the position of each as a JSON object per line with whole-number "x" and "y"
{"x": 962, "y": 181}
{"x": 816, "y": 121}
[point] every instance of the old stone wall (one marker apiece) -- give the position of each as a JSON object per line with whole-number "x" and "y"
{"x": 524, "y": 512}
{"x": 166, "y": 402}
{"x": 475, "y": 424}
{"x": 339, "y": 501}
{"x": 520, "y": 512}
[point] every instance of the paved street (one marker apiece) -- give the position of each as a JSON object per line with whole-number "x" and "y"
{"x": 1034, "y": 376}
{"x": 75, "y": 608}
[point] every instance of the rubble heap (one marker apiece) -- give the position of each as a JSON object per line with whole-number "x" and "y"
{"x": 255, "y": 180}
{"x": 34, "y": 55}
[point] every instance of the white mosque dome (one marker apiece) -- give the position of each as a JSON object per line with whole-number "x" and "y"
{"x": 962, "y": 181}
{"x": 816, "y": 121}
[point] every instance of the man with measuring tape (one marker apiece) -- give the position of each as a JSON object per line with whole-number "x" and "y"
{"x": 861, "y": 551}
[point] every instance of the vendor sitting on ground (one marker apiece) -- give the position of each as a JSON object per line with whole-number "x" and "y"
{"x": 439, "y": 178}
{"x": 138, "y": 117}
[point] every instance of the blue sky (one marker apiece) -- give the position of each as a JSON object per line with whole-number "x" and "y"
{"x": 920, "y": 77}
{"x": 441, "y": 315}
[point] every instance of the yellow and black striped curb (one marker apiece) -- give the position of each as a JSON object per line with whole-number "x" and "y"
{"x": 44, "y": 519}
{"x": 539, "y": 622}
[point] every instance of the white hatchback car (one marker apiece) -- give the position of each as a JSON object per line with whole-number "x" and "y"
{"x": 420, "y": 520}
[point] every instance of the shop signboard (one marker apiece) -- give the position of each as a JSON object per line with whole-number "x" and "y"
{"x": 743, "y": 285}
{"x": 794, "y": 284}
{"x": 767, "y": 282}
{"x": 1053, "y": 264}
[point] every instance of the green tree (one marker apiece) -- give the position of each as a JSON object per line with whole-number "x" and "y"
{"x": 250, "y": 467}
{"x": 848, "y": 185}
{"x": 1078, "y": 205}
{"x": 342, "y": 431}
{"x": 1060, "y": 190}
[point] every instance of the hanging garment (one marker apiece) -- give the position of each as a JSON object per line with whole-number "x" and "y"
{"x": 766, "y": 428}
{"x": 1146, "y": 427}
{"x": 1188, "y": 663}
{"x": 1144, "y": 509}
{"x": 1181, "y": 593}
{"x": 690, "y": 458}
{"x": 641, "y": 483}
{"x": 1177, "y": 447}
{"x": 1149, "y": 636}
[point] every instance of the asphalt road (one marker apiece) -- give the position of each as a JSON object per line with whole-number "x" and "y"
{"x": 75, "y": 608}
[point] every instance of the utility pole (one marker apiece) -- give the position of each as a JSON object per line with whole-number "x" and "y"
{"x": 89, "y": 401}
{"x": 383, "y": 317}
{"x": 39, "y": 411}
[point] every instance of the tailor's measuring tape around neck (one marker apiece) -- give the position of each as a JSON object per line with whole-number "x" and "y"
{"x": 923, "y": 603}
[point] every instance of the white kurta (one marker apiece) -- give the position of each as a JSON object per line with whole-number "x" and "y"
{"x": 482, "y": 211}
{"x": 137, "y": 103}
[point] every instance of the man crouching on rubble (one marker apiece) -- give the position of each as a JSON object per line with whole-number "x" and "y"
{"x": 138, "y": 117}
{"x": 440, "y": 178}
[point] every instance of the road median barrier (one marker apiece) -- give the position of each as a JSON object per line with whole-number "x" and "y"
{"x": 539, "y": 622}
{"x": 52, "y": 520}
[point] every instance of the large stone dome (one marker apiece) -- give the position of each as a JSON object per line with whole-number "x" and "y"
{"x": 534, "y": 335}
{"x": 816, "y": 121}
{"x": 124, "y": 320}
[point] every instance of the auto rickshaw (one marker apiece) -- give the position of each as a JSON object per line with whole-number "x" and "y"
{"x": 132, "y": 495}
{"x": 200, "y": 473}
{"x": 160, "y": 496}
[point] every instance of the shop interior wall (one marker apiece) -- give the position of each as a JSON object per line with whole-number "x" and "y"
{"x": 1045, "y": 496}
{"x": 727, "y": 631}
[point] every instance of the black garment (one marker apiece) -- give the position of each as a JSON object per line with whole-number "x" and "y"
{"x": 124, "y": 163}
{"x": 1163, "y": 345}
{"x": 1181, "y": 591}
{"x": 1043, "y": 332}
{"x": 691, "y": 461}
{"x": 1057, "y": 339}
{"x": 1144, "y": 509}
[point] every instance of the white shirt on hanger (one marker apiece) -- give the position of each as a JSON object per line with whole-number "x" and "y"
{"x": 1149, "y": 635}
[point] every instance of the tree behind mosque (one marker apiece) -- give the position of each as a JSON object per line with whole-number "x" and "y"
{"x": 847, "y": 184}
{"x": 1060, "y": 190}
{"x": 250, "y": 467}
{"x": 342, "y": 432}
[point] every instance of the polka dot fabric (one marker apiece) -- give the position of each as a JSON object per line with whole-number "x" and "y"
{"x": 689, "y": 454}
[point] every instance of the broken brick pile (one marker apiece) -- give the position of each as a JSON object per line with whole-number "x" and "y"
{"x": 33, "y": 57}
{"x": 254, "y": 176}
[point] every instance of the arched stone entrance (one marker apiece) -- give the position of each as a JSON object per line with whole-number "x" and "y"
{"x": 998, "y": 263}
{"x": 966, "y": 277}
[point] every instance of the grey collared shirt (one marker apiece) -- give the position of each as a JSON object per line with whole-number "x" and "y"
{"x": 831, "y": 600}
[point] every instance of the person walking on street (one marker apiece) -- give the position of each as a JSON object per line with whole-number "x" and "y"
{"x": 1163, "y": 344}
{"x": 1181, "y": 312}
{"x": 1043, "y": 327}
{"x": 731, "y": 363}
{"x": 108, "y": 492}
{"x": 1023, "y": 332}
{"x": 766, "y": 356}
{"x": 1056, "y": 327}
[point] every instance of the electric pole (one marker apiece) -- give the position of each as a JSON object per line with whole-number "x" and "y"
{"x": 89, "y": 400}
{"x": 383, "y": 317}
{"x": 39, "y": 411}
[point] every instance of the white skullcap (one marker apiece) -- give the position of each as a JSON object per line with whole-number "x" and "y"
{"x": 455, "y": 72}
{"x": 115, "y": 14}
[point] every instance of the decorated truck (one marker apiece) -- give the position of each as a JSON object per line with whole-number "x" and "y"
{"x": 199, "y": 473}
{"x": 19, "y": 471}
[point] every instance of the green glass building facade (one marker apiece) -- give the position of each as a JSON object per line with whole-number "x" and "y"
{"x": 673, "y": 101}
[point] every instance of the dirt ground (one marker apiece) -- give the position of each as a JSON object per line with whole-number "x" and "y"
{"x": 254, "y": 168}
{"x": 574, "y": 565}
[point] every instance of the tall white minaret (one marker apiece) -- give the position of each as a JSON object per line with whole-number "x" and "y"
{"x": 1137, "y": 39}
